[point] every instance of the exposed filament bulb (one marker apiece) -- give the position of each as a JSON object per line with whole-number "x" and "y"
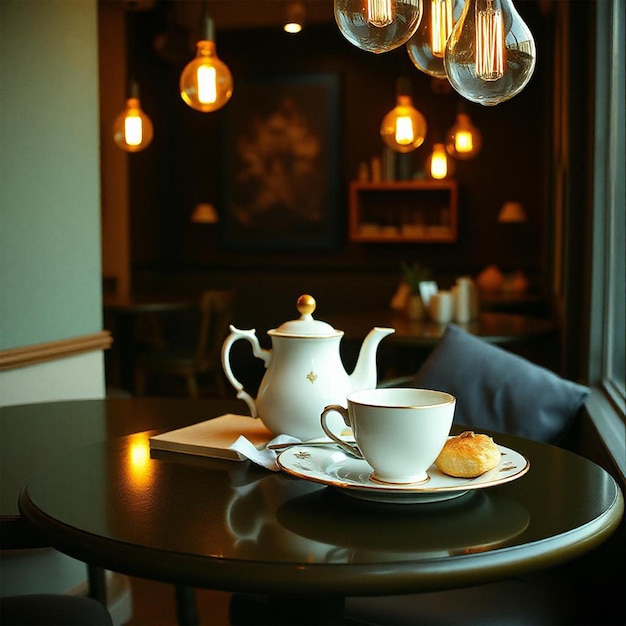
{"x": 463, "y": 140}
{"x": 380, "y": 12}
{"x": 132, "y": 129}
{"x": 206, "y": 83}
{"x": 378, "y": 25}
{"x": 442, "y": 21}
{"x": 439, "y": 162}
{"x": 490, "y": 59}
{"x": 403, "y": 129}
{"x": 490, "y": 55}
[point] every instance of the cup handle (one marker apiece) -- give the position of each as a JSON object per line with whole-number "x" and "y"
{"x": 353, "y": 450}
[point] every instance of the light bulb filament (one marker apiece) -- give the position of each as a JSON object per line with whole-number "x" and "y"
{"x": 438, "y": 165}
{"x": 463, "y": 141}
{"x": 133, "y": 129}
{"x": 404, "y": 131}
{"x": 207, "y": 88}
{"x": 441, "y": 21}
{"x": 380, "y": 12}
{"x": 489, "y": 43}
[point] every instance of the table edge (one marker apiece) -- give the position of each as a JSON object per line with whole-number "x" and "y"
{"x": 320, "y": 578}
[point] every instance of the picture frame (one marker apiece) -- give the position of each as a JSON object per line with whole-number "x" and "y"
{"x": 281, "y": 171}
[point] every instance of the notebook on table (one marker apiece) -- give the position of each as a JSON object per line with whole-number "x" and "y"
{"x": 213, "y": 438}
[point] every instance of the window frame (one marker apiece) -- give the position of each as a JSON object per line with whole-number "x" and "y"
{"x": 607, "y": 404}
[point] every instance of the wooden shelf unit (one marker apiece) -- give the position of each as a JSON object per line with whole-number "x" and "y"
{"x": 403, "y": 211}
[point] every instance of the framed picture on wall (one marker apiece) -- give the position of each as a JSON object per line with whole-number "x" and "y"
{"x": 281, "y": 144}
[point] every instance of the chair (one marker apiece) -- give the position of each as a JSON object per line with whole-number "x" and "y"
{"x": 215, "y": 310}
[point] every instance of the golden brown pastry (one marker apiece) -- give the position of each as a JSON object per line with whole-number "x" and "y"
{"x": 468, "y": 455}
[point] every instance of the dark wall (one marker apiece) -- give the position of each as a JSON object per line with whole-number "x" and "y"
{"x": 186, "y": 162}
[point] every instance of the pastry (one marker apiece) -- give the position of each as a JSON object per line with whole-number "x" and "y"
{"x": 468, "y": 455}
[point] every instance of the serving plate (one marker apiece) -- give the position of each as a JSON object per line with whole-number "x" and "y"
{"x": 351, "y": 476}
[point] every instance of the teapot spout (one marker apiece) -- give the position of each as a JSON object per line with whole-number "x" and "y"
{"x": 365, "y": 375}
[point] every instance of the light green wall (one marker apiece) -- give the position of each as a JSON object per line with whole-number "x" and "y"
{"x": 50, "y": 279}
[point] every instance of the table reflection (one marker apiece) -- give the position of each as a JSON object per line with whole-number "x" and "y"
{"x": 475, "y": 522}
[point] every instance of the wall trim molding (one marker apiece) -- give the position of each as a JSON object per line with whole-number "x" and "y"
{"x": 53, "y": 350}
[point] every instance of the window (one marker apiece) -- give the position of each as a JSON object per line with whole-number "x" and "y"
{"x": 606, "y": 353}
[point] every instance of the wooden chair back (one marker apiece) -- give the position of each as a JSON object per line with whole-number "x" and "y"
{"x": 216, "y": 312}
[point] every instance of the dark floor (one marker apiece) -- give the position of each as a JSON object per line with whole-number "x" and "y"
{"x": 154, "y": 605}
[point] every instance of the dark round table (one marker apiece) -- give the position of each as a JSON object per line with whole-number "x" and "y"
{"x": 233, "y": 526}
{"x": 402, "y": 353}
{"x": 494, "y": 327}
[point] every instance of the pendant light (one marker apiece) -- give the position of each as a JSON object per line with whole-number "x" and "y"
{"x": 403, "y": 129}
{"x": 132, "y": 129}
{"x": 490, "y": 55}
{"x": 427, "y": 46}
{"x": 378, "y": 25}
{"x": 295, "y": 18}
{"x": 206, "y": 83}
{"x": 439, "y": 165}
{"x": 463, "y": 140}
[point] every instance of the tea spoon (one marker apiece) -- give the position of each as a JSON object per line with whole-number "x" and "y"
{"x": 284, "y": 446}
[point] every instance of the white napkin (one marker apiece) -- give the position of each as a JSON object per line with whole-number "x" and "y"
{"x": 264, "y": 457}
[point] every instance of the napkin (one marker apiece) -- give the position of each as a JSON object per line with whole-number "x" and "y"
{"x": 263, "y": 456}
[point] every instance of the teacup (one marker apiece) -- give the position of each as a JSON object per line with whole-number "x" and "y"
{"x": 399, "y": 432}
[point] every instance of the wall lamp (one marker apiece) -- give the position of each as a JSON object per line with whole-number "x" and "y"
{"x": 295, "y": 18}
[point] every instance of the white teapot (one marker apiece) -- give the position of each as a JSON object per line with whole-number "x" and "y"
{"x": 304, "y": 373}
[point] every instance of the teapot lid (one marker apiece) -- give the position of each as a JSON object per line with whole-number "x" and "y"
{"x": 305, "y": 326}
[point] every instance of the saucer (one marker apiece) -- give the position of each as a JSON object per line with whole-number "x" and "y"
{"x": 352, "y": 476}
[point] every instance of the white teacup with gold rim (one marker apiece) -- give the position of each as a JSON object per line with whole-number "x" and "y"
{"x": 399, "y": 432}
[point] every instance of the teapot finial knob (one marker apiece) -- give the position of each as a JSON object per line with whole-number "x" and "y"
{"x": 306, "y": 304}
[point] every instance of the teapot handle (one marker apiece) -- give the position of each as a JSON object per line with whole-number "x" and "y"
{"x": 260, "y": 353}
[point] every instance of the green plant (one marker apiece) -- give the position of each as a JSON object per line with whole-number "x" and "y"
{"x": 414, "y": 273}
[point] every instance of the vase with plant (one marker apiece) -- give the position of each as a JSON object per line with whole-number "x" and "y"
{"x": 414, "y": 273}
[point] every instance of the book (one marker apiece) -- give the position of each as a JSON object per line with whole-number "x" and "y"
{"x": 213, "y": 438}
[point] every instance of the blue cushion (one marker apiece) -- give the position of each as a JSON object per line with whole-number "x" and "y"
{"x": 498, "y": 390}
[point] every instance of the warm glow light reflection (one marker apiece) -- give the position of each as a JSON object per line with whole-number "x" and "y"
{"x": 138, "y": 463}
{"x": 380, "y": 12}
{"x": 489, "y": 43}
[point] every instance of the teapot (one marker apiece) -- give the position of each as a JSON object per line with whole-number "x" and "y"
{"x": 304, "y": 373}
